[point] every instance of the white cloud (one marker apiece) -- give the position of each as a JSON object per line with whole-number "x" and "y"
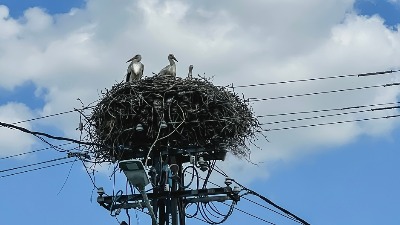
{"x": 81, "y": 52}
{"x": 14, "y": 141}
{"x": 9, "y": 27}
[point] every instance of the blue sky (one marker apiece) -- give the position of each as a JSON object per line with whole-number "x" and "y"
{"x": 339, "y": 175}
{"x": 385, "y": 9}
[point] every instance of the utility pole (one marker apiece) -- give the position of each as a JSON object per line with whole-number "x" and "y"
{"x": 170, "y": 195}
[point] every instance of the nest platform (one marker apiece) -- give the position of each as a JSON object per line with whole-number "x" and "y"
{"x": 168, "y": 115}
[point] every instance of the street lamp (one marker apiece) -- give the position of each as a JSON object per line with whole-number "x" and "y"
{"x": 134, "y": 171}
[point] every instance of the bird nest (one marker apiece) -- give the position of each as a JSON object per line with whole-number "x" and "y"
{"x": 161, "y": 113}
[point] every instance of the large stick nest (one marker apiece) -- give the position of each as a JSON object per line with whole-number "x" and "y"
{"x": 170, "y": 113}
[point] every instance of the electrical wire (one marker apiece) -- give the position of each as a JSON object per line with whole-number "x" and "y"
{"x": 328, "y": 110}
{"x": 52, "y": 115}
{"x": 66, "y": 179}
{"x": 194, "y": 173}
{"x": 40, "y": 168}
{"x": 7, "y": 125}
{"x": 273, "y": 204}
{"x": 322, "y": 92}
{"x": 194, "y": 216}
{"x": 220, "y": 171}
{"x": 210, "y": 169}
{"x": 33, "y": 164}
{"x": 33, "y": 151}
{"x": 298, "y": 219}
{"x": 317, "y": 78}
{"x": 265, "y": 207}
{"x": 224, "y": 218}
{"x": 329, "y": 115}
{"x": 91, "y": 179}
{"x": 330, "y": 123}
{"x": 249, "y": 214}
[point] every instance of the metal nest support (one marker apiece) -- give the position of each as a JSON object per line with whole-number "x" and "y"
{"x": 165, "y": 114}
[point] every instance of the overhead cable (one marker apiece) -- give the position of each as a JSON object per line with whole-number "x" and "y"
{"x": 317, "y": 78}
{"x": 33, "y": 151}
{"x": 322, "y": 92}
{"x": 52, "y": 115}
{"x": 40, "y": 168}
{"x": 331, "y": 123}
{"x": 272, "y": 210}
{"x": 7, "y": 125}
{"x": 328, "y": 110}
{"x": 265, "y": 199}
{"x": 273, "y": 204}
{"x": 33, "y": 164}
{"x": 329, "y": 115}
{"x": 287, "y": 214}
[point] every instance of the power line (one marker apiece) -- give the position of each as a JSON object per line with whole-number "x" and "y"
{"x": 328, "y": 110}
{"x": 316, "y": 79}
{"x": 329, "y": 115}
{"x": 33, "y": 151}
{"x": 220, "y": 171}
{"x": 33, "y": 164}
{"x": 274, "y": 211}
{"x": 52, "y": 115}
{"x": 322, "y": 92}
{"x": 265, "y": 207}
{"x": 331, "y": 123}
{"x": 46, "y": 135}
{"x": 292, "y": 216}
{"x": 40, "y": 168}
{"x": 249, "y": 214}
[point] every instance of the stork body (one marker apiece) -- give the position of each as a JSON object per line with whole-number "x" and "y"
{"x": 190, "y": 71}
{"x": 169, "y": 70}
{"x": 135, "y": 69}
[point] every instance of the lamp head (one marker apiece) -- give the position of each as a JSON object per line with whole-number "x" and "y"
{"x": 134, "y": 171}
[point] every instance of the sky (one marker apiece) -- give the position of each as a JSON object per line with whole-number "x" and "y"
{"x": 53, "y": 53}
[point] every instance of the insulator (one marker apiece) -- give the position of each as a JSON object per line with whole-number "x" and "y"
{"x": 80, "y": 126}
{"x": 163, "y": 124}
{"x": 139, "y": 127}
{"x": 201, "y": 161}
{"x": 192, "y": 159}
{"x": 236, "y": 189}
{"x": 202, "y": 164}
{"x": 204, "y": 168}
{"x": 100, "y": 191}
{"x": 166, "y": 187}
{"x": 228, "y": 181}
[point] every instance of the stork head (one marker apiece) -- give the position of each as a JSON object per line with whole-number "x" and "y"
{"x": 137, "y": 58}
{"x": 190, "y": 67}
{"x": 172, "y": 57}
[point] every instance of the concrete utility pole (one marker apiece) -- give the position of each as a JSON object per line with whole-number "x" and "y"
{"x": 170, "y": 197}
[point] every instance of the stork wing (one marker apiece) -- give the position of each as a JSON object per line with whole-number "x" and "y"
{"x": 164, "y": 71}
{"x": 141, "y": 74}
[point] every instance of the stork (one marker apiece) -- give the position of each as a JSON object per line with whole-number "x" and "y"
{"x": 169, "y": 70}
{"x": 190, "y": 71}
{"x": 135, "y": 69}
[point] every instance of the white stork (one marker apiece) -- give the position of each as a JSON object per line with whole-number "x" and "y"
{"x": 135, "y": 69}
{"x": 190, "y": 71}
{"x": 169, "y": 70}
